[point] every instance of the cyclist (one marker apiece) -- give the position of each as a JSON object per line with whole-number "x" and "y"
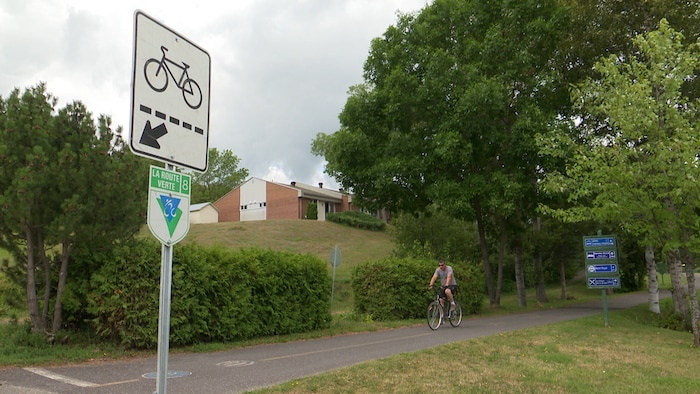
{"x": 447, "y": 282}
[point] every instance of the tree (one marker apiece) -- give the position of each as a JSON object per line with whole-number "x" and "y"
{"x": 435, "y": 234}
{"x": 452, "y": 100}
{"x": 634, "y": 158}
{"x": 65, "y": 183}
{"x": 603, "y": 27}
{"x": 221, "y": 177}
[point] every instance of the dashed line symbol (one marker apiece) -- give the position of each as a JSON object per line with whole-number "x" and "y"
{"x": 171, "y": 119}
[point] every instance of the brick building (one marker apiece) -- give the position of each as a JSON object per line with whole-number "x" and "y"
{"x": 258, "y": 199}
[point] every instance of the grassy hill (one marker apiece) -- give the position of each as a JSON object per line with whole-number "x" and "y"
{"x": 298, "y": 236}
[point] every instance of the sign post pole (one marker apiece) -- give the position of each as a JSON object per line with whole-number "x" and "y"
{"x": 170, "y": 91}
{"x": 336, "y": 256}
{"x": 164, "y": 317}
{"x": 605, "y": 306}
{"x": 602, "y": 264}
{"x": 168, "y": 220}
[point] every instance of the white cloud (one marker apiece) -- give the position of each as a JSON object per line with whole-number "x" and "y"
{"x": 280, "y": 69}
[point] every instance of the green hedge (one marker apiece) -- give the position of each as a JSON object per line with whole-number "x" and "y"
{"x": 357, "y": 219}
{"x": 217, "y": 294}
{"x": 397, "y": 288}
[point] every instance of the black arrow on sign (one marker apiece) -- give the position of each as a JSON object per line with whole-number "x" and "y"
{"x": 150, "y": 136}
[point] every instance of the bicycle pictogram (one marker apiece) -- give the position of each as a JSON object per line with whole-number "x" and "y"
{"x": 156, "y": 72}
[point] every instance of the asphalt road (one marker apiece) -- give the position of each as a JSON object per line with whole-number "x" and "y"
{"x": 240, "y": 370}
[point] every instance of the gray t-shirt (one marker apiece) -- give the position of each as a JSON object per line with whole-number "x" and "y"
{"x": 443, "y": 276}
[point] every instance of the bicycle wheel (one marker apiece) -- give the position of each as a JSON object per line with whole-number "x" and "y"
{"x": 434, "y": 315}
{"x": 456, "y": 316}
{"x": 156, "y": 75}
{"x": 192, "y": 93}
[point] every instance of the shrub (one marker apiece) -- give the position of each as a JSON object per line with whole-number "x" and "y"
{"x": 312, "y": 211}
{"x": 357, "y": 219}
{"x": 396, "y": 288}
{"x": 217, "y": 294}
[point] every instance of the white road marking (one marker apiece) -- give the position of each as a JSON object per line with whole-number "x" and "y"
{"x": 58, "y": 377}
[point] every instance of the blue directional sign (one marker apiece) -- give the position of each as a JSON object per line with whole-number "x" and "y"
{"x": 602, "y": 261}
{"x": 605, "y": 268}
{"x": 599, "y": 241}
{"x": 610, "y": 254}
{"x": 603, "y": 282}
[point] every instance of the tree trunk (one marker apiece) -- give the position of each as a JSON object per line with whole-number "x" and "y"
{"x": 488, "y": 275}
{"x": 520, "y": 276}
{"x": 694, "y": 308}
{"x": 32, "y": 302}
{"x": 47, "y": 281}
{"x": 63, "y": 274}
{"x": 653, "y": 280}
{"x": 541, "y": 291}
{"x": 501, "y": 257}
{"x": 562, "y": 279}
{"x": 675, "y": 270}
{"x": 692, "y": 294}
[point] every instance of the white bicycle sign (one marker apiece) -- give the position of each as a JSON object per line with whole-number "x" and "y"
{"x": 157, "y": 71}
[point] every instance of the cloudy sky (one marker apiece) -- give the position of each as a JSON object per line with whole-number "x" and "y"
{"x": 280, "y": 69}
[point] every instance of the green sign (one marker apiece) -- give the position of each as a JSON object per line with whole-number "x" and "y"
{"x": 168, "y": 205}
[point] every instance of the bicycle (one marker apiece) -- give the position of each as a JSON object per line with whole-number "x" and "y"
{"x": 436, "y": 312}
{"x": 157, "y": 78}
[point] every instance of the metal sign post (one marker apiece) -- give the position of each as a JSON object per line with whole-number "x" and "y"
{"x": 336, "y": 256}
{"x": 602, "y": 266}
{"x": 166, "y": 269}
{"x": 168, "y": 219}
{"x": 170, "y": 91}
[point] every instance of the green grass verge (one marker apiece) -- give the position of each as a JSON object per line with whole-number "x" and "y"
{"x": 578, "y": 356}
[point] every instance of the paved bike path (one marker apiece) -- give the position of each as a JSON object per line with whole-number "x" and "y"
{"x": 240, "y": 370}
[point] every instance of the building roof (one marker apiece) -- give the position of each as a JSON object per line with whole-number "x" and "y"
{"x": 315, "y": 192}
{"x": 200, "y": 206}
{"x": 304, "y": 190}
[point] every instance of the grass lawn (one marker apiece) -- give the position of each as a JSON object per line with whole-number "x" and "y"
{"x": 578, "y": 356}
{"x": 299, "y": 236}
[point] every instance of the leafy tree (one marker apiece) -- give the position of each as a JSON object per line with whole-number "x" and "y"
{"x": 633, "y": 159}
{"x": 603, "y": 27}
{"x": 452, "y": 100}
{"x": 435, "y": 234}
{"x": 65, "y": 183}
{"x": 221, "y": 177}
